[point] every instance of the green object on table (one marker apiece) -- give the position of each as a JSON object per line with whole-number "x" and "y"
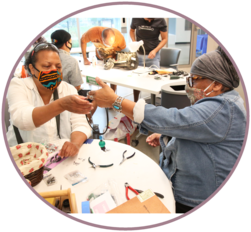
{"x": 172, "y": 77}
{"x": 91, "y": 80}
{"x": 101, "y": 143}
{"x": 91, "y": 196}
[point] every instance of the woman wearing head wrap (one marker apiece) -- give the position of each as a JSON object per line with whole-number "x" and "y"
{"x": 206, "y": 137}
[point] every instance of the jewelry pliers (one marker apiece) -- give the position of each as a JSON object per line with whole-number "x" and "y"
{"x": 128, "y": 186}
{"x": 129, "y": 157}
{"x": 54, "y": 159}
{"x": 101, "y": 166}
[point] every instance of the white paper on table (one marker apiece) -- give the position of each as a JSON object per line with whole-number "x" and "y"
{"x": 103, "y": 203}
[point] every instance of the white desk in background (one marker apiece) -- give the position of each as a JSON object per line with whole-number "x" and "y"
{"x": 79, "y": 51}
{"x": 126, "y": 78}
{"x": 141, "y": 172}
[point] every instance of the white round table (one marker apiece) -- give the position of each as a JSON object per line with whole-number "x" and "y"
{"x": 141, "y": 172}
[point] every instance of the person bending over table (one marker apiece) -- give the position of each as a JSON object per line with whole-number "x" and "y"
{"x": 106, "y": 40}
{"x": 206, "y": 137}
{"x": 149, "y": 30}
{"x": 33, "y": 109}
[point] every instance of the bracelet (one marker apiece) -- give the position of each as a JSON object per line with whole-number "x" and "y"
{"x": 117, "y": 104}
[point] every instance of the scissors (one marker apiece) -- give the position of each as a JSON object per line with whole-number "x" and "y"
{"x": 125, "y": 158}
{"x": 101, "y": 166}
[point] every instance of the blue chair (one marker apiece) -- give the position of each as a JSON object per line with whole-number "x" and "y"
{"x": 204, "y": 44}
{"x": 199, "y": 45}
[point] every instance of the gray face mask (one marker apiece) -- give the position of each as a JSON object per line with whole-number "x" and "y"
{"x": 195, "y": 94}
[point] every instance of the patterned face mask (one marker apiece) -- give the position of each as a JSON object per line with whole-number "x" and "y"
{"x": 195, "y": 94}
{"x": 50, "y": 79}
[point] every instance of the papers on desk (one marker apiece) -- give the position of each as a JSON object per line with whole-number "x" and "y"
{"x": 103, "y": 203}
{"x": 146, "y": 70}
{"x": 142, "y": 70}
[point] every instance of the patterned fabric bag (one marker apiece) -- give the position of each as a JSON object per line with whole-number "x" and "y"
{"x": 29, "y": 157}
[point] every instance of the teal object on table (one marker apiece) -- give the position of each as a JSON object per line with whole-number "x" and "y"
{"x": 101, "y": 143}
{"x": 86, "y": 207}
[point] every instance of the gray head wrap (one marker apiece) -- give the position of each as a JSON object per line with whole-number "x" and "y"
{"x": 214, "y": 65}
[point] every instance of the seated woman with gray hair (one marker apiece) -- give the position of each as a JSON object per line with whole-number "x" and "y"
{"x": 207, "y": 136}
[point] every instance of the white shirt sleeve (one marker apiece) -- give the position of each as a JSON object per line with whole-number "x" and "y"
{"x": 139, "y": 111}
{"x": 19, "y": 106}
{"x": 79, "y": 121}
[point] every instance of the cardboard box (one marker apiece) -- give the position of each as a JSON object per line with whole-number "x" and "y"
{"x": 145, "y": 202}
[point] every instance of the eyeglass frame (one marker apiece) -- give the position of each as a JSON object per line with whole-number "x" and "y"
{"x": 190, "y": 78}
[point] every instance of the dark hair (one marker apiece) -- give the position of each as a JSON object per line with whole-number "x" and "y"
{"x": 151, "y": 17}
{"x": 40, "y": 40}
{"x": 32, "y": 57}
{"x": 59, "y": 45}
{"x": 107, "y": 31}
{"x": 231, "y": 67}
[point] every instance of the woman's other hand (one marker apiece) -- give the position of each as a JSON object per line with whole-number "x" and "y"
{"x": 76, "y": 104}
{"x": 104, "y": 97}
{"x": 153, "y": 140}
{"x": 69, "y": 149}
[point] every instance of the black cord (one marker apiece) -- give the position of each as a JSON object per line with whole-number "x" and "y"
{"x": 107, "y": 122}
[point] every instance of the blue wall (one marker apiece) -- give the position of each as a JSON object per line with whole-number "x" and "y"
{"x": 172, "y": 26}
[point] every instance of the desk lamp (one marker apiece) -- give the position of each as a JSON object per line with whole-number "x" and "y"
{"x": 133, "y": 47}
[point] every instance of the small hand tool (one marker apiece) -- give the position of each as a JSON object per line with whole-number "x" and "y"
{"x": 54, "y": 159}
{"x": 157, "y": 194}
{"x": 77, "y": 163}
{"x": 128, "y": 186}
{"x": 47, "y": 169}
{"x": 101, "y": 166}
{"x": 126, "y": 157}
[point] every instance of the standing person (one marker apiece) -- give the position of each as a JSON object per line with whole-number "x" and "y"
{"x": 106, "y": 40}
{"x": 149, "y": 30}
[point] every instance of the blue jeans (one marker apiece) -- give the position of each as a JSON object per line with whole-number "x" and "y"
{"x": 149, "y": 62}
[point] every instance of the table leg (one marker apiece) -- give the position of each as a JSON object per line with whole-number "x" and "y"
{"x": 153, "y": 99}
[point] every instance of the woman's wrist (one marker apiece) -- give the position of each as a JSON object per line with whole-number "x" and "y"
{"x": 113, "y": 99}
{"x": 60, "y": 103}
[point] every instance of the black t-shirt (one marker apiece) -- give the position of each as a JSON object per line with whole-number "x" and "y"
{"x": 148, "y": 32}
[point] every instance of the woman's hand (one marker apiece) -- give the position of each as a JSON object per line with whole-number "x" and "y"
{"x": 153, "y": 140}
{"x": 69, "y": 149}
{"x": 104, "y": 97}
{"x": 76, "y": 104}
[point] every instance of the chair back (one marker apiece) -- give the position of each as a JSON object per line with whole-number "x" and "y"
{"x": 169, "y": 56}
{"x": 6, "y": 115}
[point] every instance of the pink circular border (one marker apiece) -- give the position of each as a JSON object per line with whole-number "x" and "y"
{"x": 138, "y": 4}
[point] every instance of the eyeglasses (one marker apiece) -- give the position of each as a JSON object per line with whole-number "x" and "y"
{"x": 42, "y": 46}
{"x": 190, "y": 79}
